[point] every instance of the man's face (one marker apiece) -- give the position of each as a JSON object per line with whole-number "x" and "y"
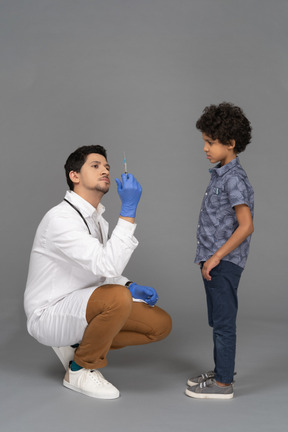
{"x": 218, "y": 152}
{"x": 94, "y": 174}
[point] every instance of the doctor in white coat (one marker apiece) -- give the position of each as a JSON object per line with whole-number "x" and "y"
{"x": 76, "y": 299}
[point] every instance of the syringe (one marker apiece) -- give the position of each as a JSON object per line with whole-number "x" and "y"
{"x": 125, "y": 165}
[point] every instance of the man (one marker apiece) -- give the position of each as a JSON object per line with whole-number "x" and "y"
{"x": 76, "y": 299}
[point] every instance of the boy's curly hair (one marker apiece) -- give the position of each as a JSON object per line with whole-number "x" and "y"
{"x": 226, "y": 122}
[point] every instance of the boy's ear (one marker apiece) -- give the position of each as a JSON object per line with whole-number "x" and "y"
{"x": 232, "y": 144}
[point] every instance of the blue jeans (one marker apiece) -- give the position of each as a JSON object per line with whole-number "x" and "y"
{"x": 222, "y": 304}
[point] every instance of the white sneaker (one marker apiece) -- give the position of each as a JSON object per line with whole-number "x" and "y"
{"x": 65, "y": 354}
{"x": 91, "y": 383}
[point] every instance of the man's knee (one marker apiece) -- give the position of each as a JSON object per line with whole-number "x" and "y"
{"x": 162, "y": 325}
{"x": 122, "y": 296}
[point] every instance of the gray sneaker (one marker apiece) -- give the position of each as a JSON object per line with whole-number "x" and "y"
{"x": 201, "y": 378}
{"x": 209, "y": 389}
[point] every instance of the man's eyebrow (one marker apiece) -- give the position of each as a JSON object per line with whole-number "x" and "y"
{"x": 98, "y": 162}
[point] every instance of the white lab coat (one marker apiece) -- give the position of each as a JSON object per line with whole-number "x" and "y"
{"x": 66, "y": 259}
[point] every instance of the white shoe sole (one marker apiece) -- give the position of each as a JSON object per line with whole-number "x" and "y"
{"x": 208, "y": 395}
{"x": 87, "y": 393}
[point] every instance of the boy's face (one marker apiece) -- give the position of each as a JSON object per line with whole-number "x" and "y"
{"x": 218, "y": 152}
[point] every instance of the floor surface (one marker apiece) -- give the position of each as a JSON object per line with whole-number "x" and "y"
{"x": 152, "y": 383}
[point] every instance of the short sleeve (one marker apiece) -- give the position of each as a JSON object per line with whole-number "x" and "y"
{"x": 238, "y": 191}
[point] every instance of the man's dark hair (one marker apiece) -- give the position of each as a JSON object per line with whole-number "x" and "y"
{"x": 78, "y": 158}
{"x": 226, "y": 122}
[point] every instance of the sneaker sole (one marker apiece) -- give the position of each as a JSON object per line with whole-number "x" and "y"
{"x": 87, "y": 393}
{"x": 208, "y": 396}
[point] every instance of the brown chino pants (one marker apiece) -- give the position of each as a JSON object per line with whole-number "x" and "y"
{"x": 115, "y": 321}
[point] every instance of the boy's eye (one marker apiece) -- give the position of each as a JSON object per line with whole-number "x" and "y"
{"x": 95, "y": 166}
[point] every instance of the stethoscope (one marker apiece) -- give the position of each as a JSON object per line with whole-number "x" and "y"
{"x": 80, "y": 214}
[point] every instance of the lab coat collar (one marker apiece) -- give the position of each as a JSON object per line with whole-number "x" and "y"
{"x": 84, "y": 206}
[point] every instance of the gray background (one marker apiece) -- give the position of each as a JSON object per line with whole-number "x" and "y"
{"x": 134, "y": 76}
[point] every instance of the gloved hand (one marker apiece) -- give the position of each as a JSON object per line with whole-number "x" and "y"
{"x": 129, "y": 192}
{"x": 148, "y": 294}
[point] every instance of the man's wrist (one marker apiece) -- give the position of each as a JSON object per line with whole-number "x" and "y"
{"x": 128, "y": 219}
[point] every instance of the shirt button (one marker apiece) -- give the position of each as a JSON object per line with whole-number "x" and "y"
{"x": 206, "y": 193}
{"x": 198, "y": 242}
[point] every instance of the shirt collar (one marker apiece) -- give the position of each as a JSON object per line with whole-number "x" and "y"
{"x": 84, "y": 206}
{"x": 221, "y": 170}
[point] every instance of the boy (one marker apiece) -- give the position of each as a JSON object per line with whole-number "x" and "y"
{"x": 223, "y": 236}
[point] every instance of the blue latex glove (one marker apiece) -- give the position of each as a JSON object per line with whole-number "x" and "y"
{"x": 129, "y": 192}
{"x": 148, "y": 294}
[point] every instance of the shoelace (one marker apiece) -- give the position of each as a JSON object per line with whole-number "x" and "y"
{"x": 98, "y": 377}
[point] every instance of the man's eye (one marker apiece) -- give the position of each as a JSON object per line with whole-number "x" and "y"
{"x": 95, "y": 166}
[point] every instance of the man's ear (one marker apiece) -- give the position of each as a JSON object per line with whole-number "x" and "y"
{"x": 74, "y": 177}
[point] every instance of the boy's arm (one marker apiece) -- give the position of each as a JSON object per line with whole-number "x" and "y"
{"x": 244, "y": 229}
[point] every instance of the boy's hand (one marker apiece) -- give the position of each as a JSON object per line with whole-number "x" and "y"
{"x": 208, "y": 266}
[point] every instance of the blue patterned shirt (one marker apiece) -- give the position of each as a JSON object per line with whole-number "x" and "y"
{"x": 229, "y": 186}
